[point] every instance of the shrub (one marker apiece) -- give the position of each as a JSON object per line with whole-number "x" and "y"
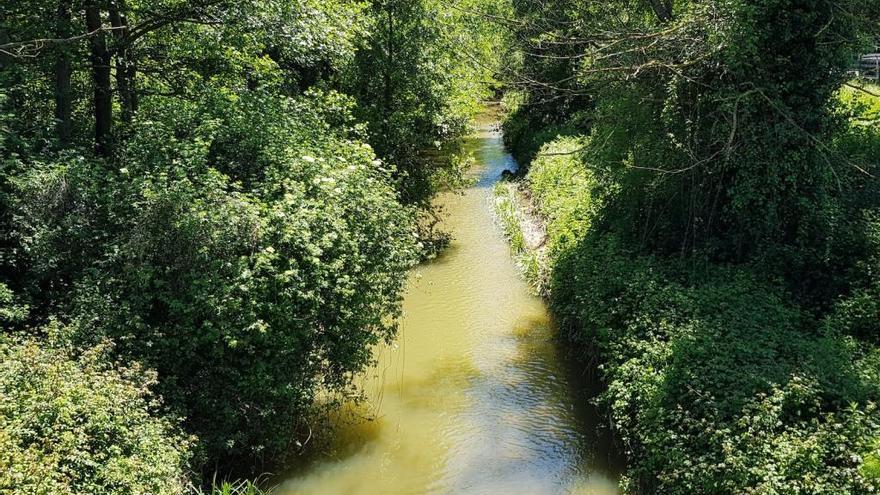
{"x": 74, "y": 425}
{"x": 562, "y": 189}
{"x": 559, "y": 190}
{"x": 525, "y": 137}
{"x": 716, "y": 383}
{"x": 11, "y": 310}
{"x": 249, "y": 249}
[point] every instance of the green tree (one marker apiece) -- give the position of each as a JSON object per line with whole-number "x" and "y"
{"x": 246, "y": 249}
{"x": 425, "y": 67}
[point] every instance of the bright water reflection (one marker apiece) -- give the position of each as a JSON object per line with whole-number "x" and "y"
{"x": 475, "y": 396}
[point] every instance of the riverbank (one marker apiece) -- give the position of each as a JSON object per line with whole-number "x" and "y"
{"x": 526, "y": 233}
{"x": 718, "y": 380}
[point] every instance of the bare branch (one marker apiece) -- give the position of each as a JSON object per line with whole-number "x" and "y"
{"x": 862, "y": 89}
{"x": 32, "y": 48}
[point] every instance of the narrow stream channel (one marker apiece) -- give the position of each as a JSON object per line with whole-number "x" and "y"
{"x": 476, "y": 396}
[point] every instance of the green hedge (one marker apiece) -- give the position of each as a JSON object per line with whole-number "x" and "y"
{"x": 716, "y": 383}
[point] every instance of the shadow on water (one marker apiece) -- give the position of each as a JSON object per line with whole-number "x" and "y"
{"x": 602, "y": 450}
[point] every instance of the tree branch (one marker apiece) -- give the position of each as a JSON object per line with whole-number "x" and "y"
{"x": 32, "y": 48}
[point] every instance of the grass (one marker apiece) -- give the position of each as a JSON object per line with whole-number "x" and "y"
{"x": 862, "y": 99}
{"x": 238, "y": 487}
{"x": 510, "y": 211}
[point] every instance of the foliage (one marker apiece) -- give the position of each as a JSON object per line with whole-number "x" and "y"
{"x": 861, "y": 101}
{"x": 523, "y": 141}
{"x": 192, "y": 182}
{"x": 11, "y": 310}
{"x": 558, "y": 191}
{"x": 719, "y": 379}
{"x": 711, "y": 121}
{"x": 546, "y": 51}
{"x": 418, "y": 92}
{"x": 246, "y": 249}
{"x": 716, "y": 382}
{"x": 561, "y": 189}
{"x": 72, "y": 425}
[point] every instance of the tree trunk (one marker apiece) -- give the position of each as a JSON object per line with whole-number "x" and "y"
{"x": 126, "y": 70}
{"x": 103, "y": 97}
{"x": 388, "y": 96}
{"x": 63, "y": 73}
{"x": 662, "y": 9}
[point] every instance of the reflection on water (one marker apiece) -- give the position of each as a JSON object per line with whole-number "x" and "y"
{"x": 474, "y": 397}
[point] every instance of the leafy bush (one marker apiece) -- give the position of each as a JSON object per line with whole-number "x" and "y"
{"x": 525, "y": 137}
{"x": 861, "y": 102}
{"x": 562, "y": 191}
{"x": 557, "y": 190}
{"x": 249, "y": 249}
{"x": 74, "y": 425}
{"x": 716, "y": 383}
{"x": 858, "y": 314}
{"x": 718, "y": 380}
{"x": 11, "y": 311}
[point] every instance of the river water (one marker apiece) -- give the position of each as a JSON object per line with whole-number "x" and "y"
{"x": 475, "y": 396}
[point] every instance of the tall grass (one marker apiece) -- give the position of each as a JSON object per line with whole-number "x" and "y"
{"x": 238, "y": 487}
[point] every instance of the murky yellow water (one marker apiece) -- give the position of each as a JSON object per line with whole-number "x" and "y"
{"x": 474, "y": 397}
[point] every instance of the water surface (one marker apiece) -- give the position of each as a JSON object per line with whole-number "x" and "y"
{"x": 475, "y": 396}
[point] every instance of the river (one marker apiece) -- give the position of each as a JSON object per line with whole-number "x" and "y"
{"x": 475, "y": 396}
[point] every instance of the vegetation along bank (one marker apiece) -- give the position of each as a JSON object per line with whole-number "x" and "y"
{"x": 207, "y": 214}
{"x": 208, "y": 210}
{"x": 705, "y": 174}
